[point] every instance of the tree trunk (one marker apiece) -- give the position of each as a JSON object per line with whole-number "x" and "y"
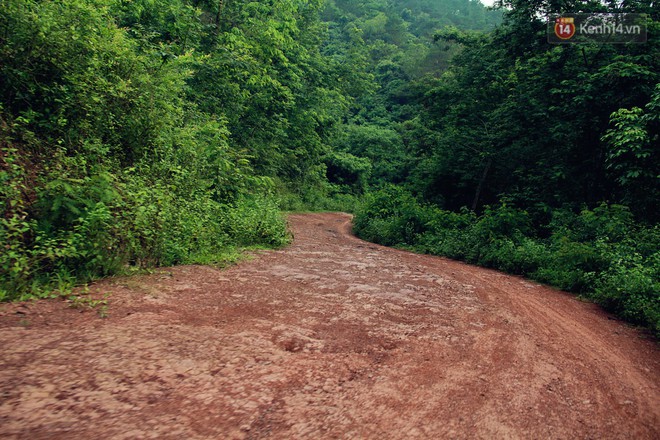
{"x": 221, "y": 4}
{"x": 477, "y": 194}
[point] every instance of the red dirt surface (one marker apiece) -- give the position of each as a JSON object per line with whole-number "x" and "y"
{"x": 331, "y": 337}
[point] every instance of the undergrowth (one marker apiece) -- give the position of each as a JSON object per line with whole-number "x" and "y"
{"x": 62, "y": 231}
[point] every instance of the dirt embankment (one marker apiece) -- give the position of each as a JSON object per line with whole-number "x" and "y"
{"x": 332, "y": 337}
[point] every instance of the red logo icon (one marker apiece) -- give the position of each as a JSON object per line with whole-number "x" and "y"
{"x": 565, "y": 27}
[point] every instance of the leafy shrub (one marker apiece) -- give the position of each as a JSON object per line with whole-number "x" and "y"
{"x": 630, "y": 287}
{"x": 608, "y": 222}
{"x": 347, "y": 170}
{"x": 256, "y": 221}
{"x": 524, "y": 256}
{"x": 571, "y": 265}
{"x": 502, "y": 221}
{"x": 392, "y": 216}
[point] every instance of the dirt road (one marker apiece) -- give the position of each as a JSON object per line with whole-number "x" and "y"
{"x": 332, "y": 337}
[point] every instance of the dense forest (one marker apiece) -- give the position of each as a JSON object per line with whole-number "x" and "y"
{"x": 145, "y": 133}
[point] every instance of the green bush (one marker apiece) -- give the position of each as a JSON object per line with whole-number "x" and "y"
{"x": 630, "y": 287}
{"x": 347, "y": 170}
{"x": 571, "y": 265}
{"x": 523, "y": 256}
{"x": 79, "y": 236}
{"x": 392, "y": 216}
{"x": 256, "y": 221}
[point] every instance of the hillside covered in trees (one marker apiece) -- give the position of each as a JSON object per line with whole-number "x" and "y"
{"x": 143, "y": 133}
